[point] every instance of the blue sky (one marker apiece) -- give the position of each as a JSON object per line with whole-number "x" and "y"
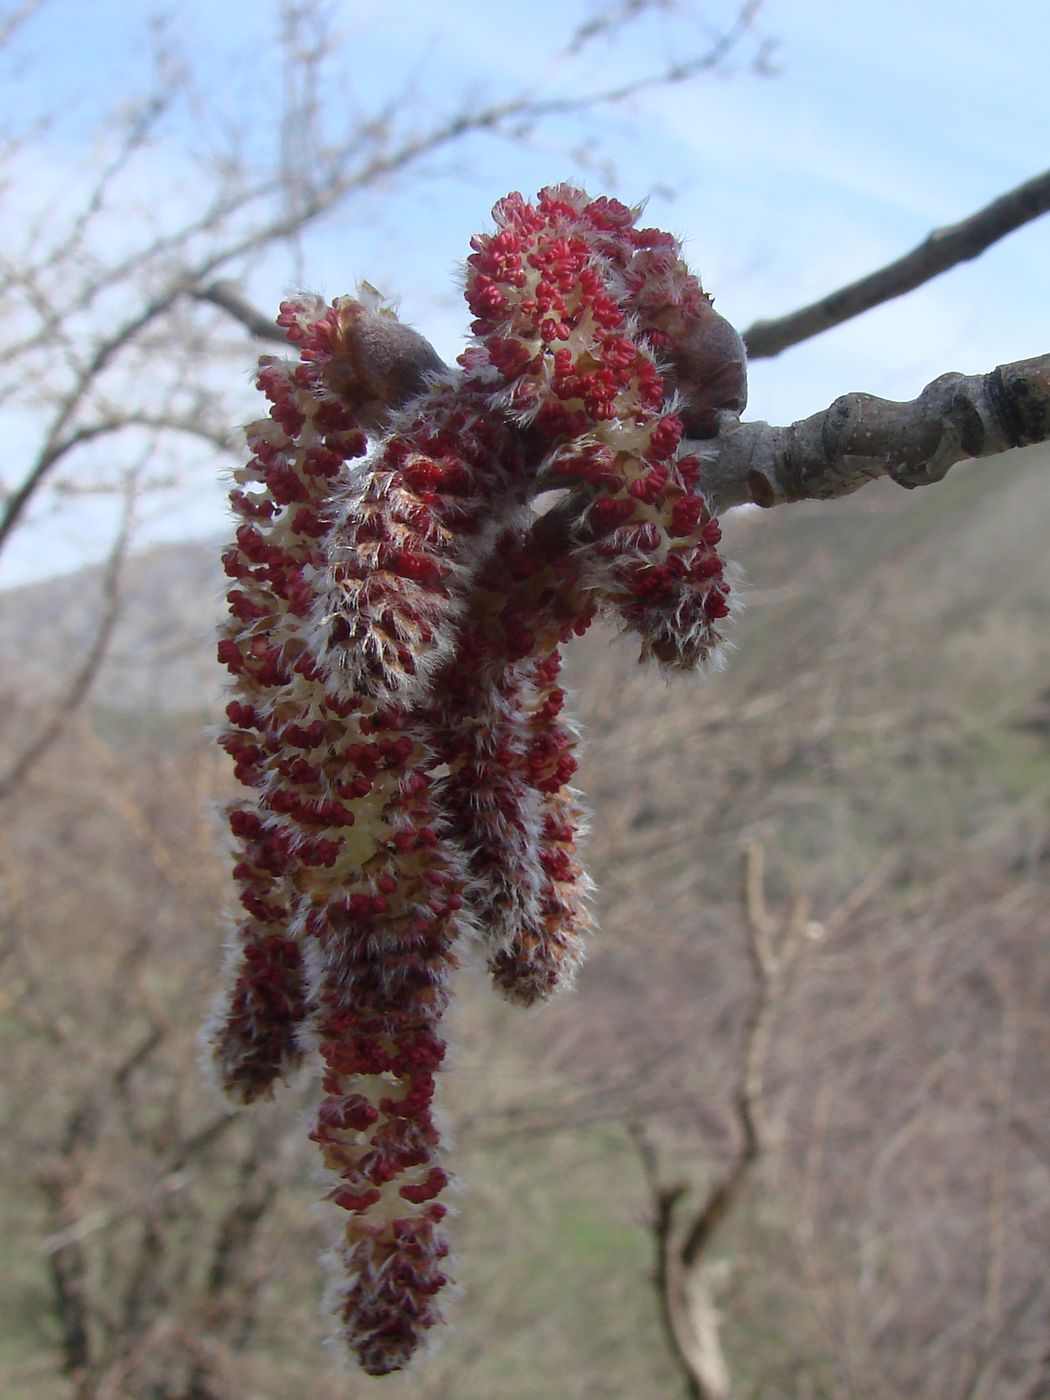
{"x": 882, "y": 122}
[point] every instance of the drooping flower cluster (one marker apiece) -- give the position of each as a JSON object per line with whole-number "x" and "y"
{"x": 397, "y": 614}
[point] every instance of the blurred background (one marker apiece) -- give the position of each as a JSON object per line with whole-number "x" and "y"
{"x": 788, "y": 1137}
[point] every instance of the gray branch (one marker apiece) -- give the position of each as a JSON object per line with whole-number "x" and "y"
{"x": 226, "y": 297}
{"x": 943, "y": 249}
{"x": 861, "y": 437}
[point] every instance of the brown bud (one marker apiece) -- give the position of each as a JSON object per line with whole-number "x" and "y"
{"x": 708, "y": 368}
{"x": 379, "y": 364}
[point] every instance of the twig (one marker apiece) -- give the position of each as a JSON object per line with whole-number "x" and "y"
{"x": 86, "y": 1225}
{"x": 686, "y": 1306}
{"x": 13, "y": 21}
{"x": 225, "y": 295}
{"x": 943, "y": 249}
{"x": 770, "y": 966}
{"x": 664, "y": 1201}
{"x": 67, "y": 1264}
{"x": 84, "y": 676}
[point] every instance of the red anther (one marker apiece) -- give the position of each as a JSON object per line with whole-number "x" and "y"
{"x": 665, "y": 437}
{"x": 685, "y": 515}
{"x": 229, "y": 655}
{"x": 716, "y": 604}
{"x": 435, "y": 1182}
{"x": 706, "y": 566}
{"x": 244, "y": 824}
{"x": 356, "y": 1201}
{"x": 306, "y": 522}
{"x": 354, "y": 1112}
{"x": 608, "y": 513}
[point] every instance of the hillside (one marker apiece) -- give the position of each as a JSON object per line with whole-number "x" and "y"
{"x": 883, "y": 730}
{"x": 161, "y": 655}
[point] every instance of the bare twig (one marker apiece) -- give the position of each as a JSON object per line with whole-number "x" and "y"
{"x": 68, "y": 1265}
{"x": 82, "y": 679}
{"x": 666, "y": 1279}
{"x": 227, "y": 298}
{"x": 87, "y": 1225}
{"x": 363, "y": 162}
{"x": 689, "y": 1314}
{"x": 11, "y": 22}
{"x": 944, "y": 248}
{"x": 770, "y": 965}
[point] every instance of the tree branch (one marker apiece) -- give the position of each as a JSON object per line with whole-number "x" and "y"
{"x": 665, "y": 1200}
{"x": 9, "y": 23}
{"x": 196, "y": 282}
{"x": 83, "y": 678}
{"x": 832, "y": 453}
{"x": 861, "y": 437}
{"x": 225, "y": 295}
{"x": 688, "y": 1310}
{"x": 943, "y": 249}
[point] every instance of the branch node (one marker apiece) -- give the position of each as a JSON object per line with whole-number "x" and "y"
{"x": 1020, "y": 395}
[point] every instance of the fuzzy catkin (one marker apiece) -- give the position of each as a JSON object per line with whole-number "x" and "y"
{"x": 395, "y": 640}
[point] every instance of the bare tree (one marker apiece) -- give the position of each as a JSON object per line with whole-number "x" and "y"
{"x": 116, "y": 347}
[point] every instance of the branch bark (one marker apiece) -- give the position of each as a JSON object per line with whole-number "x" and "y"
{"x": 944, "y": 248}
{"x": 861, "y": 437}
{"x": 226, "y": 297}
